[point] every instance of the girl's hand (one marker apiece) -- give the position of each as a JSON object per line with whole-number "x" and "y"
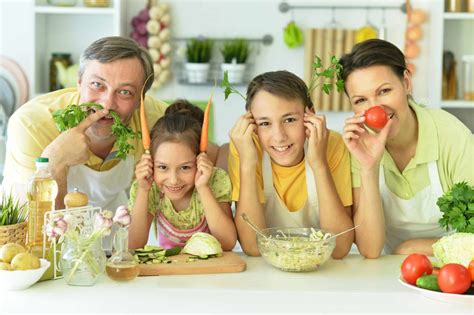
{"x": 204, "y": 170}
{"x": 318, "y": 135}
{"x": 144, "y": 172}
{"x": 241, "y": 136}
{"x": 366, "y": 147}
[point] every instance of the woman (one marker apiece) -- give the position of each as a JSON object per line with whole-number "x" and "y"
{"x": 400, "y": 170}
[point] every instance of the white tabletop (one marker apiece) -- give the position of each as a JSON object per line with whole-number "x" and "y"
{"x": 351, "y": 285}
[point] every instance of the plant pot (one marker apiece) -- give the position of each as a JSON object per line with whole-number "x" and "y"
{"x": 197, "y": 72}
{"x": 235, "y": 71}
{"x": 15, "y": 233}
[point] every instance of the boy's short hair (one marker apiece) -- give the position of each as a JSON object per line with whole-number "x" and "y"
{"x": 280, "y": 83}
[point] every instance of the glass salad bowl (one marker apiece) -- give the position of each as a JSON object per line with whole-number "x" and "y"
{"x": 295, "y": 249}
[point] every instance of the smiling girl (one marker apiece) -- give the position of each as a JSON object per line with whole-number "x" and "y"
{"x": 287, "y": 168}
{"x": 400, "y": 170}
{"x": 178, "y": 188}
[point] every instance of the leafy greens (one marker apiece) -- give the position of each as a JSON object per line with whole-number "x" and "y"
{"x": 72, "y": 115}
{"x": 457, "y": 206}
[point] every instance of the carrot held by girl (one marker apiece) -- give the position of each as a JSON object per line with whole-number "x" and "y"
{"x": 177, "y": 188}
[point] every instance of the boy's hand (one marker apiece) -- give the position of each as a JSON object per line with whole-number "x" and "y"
{"x": 241, "y": 136}
{"x": 144, "y": 172}
{"x": 318, "y": 135}
{"x": 204, "y": 170}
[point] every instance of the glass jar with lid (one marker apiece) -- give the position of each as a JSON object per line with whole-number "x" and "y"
{"x": 97, "y": 3}
{"x": 62, "y": 3}
{"x": 65, "y": 59}
{"x": 468, "y": 77}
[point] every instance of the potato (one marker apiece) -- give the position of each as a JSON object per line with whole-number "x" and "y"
{"x": 9, "y": 250}
{"x": 5, "y": 266}
{"x": 75, "y": 199}
{"x": 25, "y": 261}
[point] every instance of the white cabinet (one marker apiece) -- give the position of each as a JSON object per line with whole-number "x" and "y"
{"x": 457, "y": 38}
{"x": 68, "y": 30}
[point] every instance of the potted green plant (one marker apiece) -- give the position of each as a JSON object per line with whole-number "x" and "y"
{"x": 13, "y": 224}
{"x": 198, "y": 55}
{"x": 235, "y": 53}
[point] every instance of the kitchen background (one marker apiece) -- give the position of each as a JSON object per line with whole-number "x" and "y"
{"x": 32, "y": 30}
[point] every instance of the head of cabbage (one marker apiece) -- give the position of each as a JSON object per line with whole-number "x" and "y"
{"x": 456, "y": 248}
{"x": 202, "y": 244}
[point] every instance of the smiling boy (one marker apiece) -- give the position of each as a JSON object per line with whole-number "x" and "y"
{"x": 287, "y": 169}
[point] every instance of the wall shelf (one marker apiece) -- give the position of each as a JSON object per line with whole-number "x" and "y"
{"x": 459, "y": 16}
{"x": 79, "y": 10}
{"x": 457, "y": 104}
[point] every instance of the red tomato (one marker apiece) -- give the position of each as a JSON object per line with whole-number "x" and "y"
{"x": 471, "y": 270}
{"x": 454, "y": 278}
{"x": 376, "y": 117}
{"x": 415, "y": 266}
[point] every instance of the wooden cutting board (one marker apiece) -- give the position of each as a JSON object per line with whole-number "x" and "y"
{"x": 228, "y": 262}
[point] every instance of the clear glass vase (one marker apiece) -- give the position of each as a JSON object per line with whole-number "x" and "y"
{"x": 82, "y": 260}
{"x": 122, "y": 265}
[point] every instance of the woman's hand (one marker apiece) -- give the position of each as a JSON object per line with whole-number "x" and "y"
{"x": 204, "y": 170}
{"x": 144, "y": 172}
{"x": 367, "y": 147}
{"x": 241, "y": 136}
{"x": 318, "y": 135}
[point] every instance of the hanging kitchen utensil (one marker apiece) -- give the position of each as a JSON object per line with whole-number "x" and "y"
{"x": 292, "y": 34}
{"x": 368, "y": 31}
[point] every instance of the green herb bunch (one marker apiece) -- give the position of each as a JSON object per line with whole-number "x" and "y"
{"x": 457, "y": 206}
{"x": 237, "y": 49}
{"x": 11, "y": 211}
{"x": 199, "y": 50}
{"x": 72, "y": 115}
{"x": 325, "y": 75}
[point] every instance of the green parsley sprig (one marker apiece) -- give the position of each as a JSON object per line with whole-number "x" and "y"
{"x": 228, "y": 88}
{"x": 72, "y": 115}
{"x": 323, "y": 75}
{"x": 457, "y": 206}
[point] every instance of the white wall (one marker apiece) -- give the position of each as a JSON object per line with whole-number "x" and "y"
{"x": 244, "y": 18}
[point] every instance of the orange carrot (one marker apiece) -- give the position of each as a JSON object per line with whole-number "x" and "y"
{"x": 143, "y": 123}
{"x": 205, "y": 126}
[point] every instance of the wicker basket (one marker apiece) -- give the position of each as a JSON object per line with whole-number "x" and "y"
{"x": 15, "y": 233}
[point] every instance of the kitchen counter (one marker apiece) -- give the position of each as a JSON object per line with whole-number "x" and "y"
{"x": 351, "y": 285}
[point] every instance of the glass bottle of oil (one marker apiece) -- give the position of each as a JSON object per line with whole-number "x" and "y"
{"x": 42, "y": 192}
{"x": 122, "y": 266}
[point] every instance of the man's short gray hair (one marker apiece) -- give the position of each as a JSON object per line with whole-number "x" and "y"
{"x": 112, "y": 48}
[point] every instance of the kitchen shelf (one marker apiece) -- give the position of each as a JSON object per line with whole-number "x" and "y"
{"x": 457, "y": 104}
{"x": 459, "y": 16}
{"x": 63, "y": 25}
{"x": 79, "y": 10}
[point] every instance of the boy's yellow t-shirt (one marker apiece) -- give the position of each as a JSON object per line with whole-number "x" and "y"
{"x": 290, "y": 182}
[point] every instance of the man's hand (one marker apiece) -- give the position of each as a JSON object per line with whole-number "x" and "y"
{"x": 71, "y": 147}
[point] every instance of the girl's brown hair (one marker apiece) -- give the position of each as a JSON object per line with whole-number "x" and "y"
{"x": 280, "y": 83}
{"x": 182, "y": 123}
{"x": 373, "y": 52}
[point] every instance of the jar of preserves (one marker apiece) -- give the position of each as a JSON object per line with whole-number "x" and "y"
{"x": 62, "y": 3}
{"x": 96, "y": 3}
{"x": 65, "y": 59}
